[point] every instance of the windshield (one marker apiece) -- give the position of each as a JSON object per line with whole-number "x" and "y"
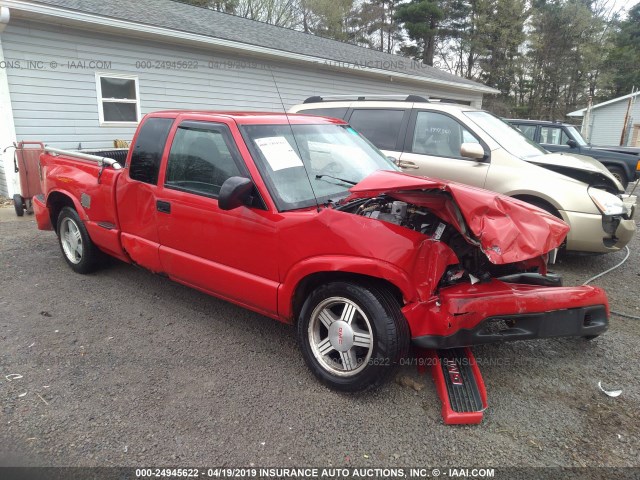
{"x": 577, "y": 136}
{"x": 322, "y": 162}
{"x": 507, "y": 136}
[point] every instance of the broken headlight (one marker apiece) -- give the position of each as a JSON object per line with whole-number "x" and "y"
{"x": 607, "y": 203}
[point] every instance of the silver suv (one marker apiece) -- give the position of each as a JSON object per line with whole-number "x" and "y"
{"x": 471, "y": 146}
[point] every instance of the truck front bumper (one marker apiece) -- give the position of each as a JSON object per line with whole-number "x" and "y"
{"x": 574, "y": 322}
{"x": 496, "y": 311}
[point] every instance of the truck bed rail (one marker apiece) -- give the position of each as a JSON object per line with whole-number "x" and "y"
{"x": 102, "y": 161}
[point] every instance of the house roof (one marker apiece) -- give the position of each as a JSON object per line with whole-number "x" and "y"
{"x": 580, "y": 113}
{"x": 245, "y": 34}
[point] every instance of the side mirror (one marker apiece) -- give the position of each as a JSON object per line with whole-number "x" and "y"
{"x": 393, "y": 160}
{"x": 472, "y": 150}
{"x": 234, "y": 193}
{"x": 572, "y": 143}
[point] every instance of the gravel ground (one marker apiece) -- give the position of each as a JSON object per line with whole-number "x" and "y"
{"x": 126, "y": 368}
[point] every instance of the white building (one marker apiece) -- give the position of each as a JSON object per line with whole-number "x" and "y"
{"x": 605, "y": 122}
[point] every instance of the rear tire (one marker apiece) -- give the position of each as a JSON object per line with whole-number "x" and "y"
{"x": 78, "y": 250}
{"x": 620, "y": 175}
{"x": 352, "y": 336}
{"x": 18, "y": 204}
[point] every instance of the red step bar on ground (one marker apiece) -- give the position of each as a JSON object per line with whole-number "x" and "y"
{"x": 458, "y": 382}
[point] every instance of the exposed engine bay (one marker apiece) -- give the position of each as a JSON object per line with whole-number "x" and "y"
{"x": 474, "y": 265}
{"x": 401, "y": 213}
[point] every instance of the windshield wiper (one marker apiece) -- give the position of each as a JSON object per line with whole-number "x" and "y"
{"x": 348, "y": 182}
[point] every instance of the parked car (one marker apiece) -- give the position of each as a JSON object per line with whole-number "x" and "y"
{"x": 300, "y": 219}
{"x": 563, "y": 137}
{"x": 467, "y": 145}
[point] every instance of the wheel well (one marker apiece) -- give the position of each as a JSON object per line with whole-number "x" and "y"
{"x": 613, "y": 166}
{"x": 539, "y": 202}
{"x": 56, "y": 202}
{"x": 616, "y": 166}
{"x": 311, "y": 282}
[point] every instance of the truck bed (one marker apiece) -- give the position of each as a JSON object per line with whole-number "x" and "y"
{"x": 89, "y": 180}
{"x": 117, "y": 154}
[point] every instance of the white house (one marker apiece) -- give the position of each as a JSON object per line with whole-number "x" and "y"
{"x": 82, "y": 73}
{"x": 604, "y": 123}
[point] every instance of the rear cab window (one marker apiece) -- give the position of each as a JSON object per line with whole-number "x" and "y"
{"x": 146, "y": 154}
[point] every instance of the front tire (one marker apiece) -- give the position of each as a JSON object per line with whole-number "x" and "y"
{"x": 78, "y": 250}
{"x": 352, "y": 336}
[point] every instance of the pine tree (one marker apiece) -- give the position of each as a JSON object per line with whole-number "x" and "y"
{"x": 422, "y": 21}
{"x": 623, "y": 63}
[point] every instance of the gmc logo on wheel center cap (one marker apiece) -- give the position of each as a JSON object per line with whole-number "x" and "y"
{"x": 340, "y": 336}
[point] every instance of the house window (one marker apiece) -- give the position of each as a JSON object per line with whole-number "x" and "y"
{"x": 118, "y": 99}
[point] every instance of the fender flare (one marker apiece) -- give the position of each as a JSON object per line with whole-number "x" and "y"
{"x": 76, "y": 203}
{"x": 365, "y": 266}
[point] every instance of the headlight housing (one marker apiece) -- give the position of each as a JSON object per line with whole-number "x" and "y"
{"x": 607, "y": 203}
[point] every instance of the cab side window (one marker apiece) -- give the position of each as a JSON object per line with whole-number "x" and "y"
{"x": 553, "y": 136}
{"x": 380, "y": 127}
{"x": 439, "y": 135}
{"x": 200, "y": 160}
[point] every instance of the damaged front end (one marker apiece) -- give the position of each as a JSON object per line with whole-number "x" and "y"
{"x": 481, "y": 270}
{"x": 585, "y": 169}
{"x": 485, "y": 230}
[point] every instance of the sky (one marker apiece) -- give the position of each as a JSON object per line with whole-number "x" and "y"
{"x": 624, "y": 5}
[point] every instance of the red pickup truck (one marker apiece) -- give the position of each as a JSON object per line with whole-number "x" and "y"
{"x": 301, "y": 219}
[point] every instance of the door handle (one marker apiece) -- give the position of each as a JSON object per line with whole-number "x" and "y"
{"x": 407, "y": 164}
{"x": 162, "y": 206}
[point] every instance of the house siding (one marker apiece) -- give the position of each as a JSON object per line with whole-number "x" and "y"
{"x": 4, "y": 190}
{"x": 59, "y": 106}
{"x": 6, "y": 124}
{"x": 606, "y": 122}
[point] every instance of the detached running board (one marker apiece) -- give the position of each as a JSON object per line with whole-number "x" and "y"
{"x": 459, "y": 384}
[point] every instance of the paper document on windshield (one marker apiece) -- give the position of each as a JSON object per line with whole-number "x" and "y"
{"x": 278, "y": 152}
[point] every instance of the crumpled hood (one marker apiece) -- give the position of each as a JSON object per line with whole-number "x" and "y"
{"x": 570, "y": 160}
{"x": 581, "y": 167}
{"x": 506, "y": 229}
